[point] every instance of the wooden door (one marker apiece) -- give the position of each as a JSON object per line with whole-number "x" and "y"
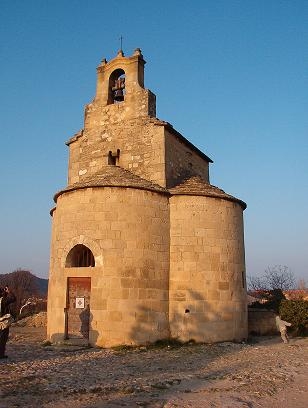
{"x": 78, "y": 313}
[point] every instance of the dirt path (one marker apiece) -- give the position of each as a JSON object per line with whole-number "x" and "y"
{"x": 264, "y": 374}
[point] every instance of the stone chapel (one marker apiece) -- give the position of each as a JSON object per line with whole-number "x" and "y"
{"x": 143, "y": 247}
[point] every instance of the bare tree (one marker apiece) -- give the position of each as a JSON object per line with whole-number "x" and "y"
{"x": 256, "y": 283}
{"x": 279, "y": 277}
{"x": 275, "y": 277}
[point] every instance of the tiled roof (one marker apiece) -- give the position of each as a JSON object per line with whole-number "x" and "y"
{"x": 198, "y": 187}
{"x": 113, "y": 176}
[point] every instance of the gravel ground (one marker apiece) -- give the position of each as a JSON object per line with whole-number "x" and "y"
{"x": 263, "y": 373}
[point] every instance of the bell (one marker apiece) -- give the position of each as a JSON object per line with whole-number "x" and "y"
{"x": 119, "y": 85}
{"x": 118, "y": 95}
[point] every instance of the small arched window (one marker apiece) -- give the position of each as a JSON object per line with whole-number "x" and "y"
{"x": 79, "y": 256}
{"x": 116, "y": 86}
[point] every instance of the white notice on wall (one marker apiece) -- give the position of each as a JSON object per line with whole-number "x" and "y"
{"x": 79, "y": 302}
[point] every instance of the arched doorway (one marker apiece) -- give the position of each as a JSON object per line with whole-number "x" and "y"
{"x": 77, "y": 311}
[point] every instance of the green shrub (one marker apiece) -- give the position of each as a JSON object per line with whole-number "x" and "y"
{"x": 295, "y": 312}
{"x": 274, "y": 299}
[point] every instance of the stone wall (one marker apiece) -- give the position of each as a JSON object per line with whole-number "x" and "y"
{"x": 182, "y": 161}
{"x": 140, "y": 144}
{"x": 207, "y": 290}
{"x": 127, "y": 231}
{"x": 261, "y": 322}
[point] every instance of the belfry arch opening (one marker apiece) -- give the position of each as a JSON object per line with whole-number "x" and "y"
{"x": 116, "y": 92}
{"x": 80, "y": 256}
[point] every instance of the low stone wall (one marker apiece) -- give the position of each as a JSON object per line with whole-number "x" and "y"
{"x": 261, "y": 322}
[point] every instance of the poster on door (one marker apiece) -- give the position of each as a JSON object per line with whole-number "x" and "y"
{"x": 78, "y": 313}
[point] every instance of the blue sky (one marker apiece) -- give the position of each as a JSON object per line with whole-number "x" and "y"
{"x": 231, "y": 76}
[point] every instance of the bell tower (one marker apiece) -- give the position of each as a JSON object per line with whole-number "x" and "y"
{"x": 120, "y": 124}
{"x": 121, "y": 76}
{"x": 120, "y": 92}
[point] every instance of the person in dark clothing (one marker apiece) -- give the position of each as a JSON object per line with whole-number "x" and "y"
{"x": 6, "y": 298}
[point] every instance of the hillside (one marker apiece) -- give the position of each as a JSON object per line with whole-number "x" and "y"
{"x": 27, "y": 280}
{"x": 42, "y": 285}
